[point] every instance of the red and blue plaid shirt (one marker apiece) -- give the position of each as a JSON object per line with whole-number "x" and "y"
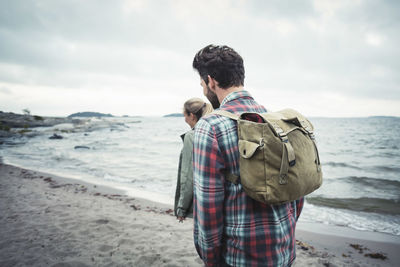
{"x": 229, "y": 226}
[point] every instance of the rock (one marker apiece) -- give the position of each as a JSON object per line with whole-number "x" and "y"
{"x": 6, "y": 134}
{"x": 12, "y": 120}
{"x": 381, "y": 256}
{"x": 56, "y": 136}
{"x": 63, "y": 127}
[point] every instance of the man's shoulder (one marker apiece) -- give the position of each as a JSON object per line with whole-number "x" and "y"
{"x": 218, "y": 123}
{"x": 212, "y": 122}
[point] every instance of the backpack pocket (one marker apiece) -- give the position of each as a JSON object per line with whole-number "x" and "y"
{"x": 247, "y": 148}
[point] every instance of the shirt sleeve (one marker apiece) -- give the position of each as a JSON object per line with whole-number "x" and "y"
{"x": 299, "y": 207}
{"x": 186, "y": 182}
{"x": 208, "y": 194}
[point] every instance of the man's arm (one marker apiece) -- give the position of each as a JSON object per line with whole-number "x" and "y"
{"x": 208, "y": 195}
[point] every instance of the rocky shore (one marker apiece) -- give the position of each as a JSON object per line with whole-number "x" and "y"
{"x": 14, "y": 120}
{"x": 15, "y": 126}
{"x": 12, "y": 124}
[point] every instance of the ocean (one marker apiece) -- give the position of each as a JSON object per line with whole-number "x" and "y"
{"x": 360, "y": 161}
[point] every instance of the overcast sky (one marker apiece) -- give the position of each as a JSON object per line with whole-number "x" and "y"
{"x": 322, "y": 57}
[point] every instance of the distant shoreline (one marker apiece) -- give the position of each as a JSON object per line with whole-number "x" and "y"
{"x": 173, "y": 115}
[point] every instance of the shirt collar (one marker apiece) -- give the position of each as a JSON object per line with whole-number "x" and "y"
{"x": 235, "y": 95}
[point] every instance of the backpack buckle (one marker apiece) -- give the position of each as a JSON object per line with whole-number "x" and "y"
{"x": 283, "y": 179}
{"x": 311, "y": 135}
{"x": 261, "y": 144}
{"x": 280, "y": 132}
{"x": 284, "y": 138}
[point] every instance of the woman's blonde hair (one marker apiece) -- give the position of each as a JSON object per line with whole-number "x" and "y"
{"x": 197, "y": 107}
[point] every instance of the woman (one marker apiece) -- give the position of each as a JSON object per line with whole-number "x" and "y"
{"x": 193, "y": 110}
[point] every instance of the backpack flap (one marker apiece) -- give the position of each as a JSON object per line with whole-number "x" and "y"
{"x": 294, "y": 120}
{"x": 247, "y": 148}
{"x": 293, "y": 117}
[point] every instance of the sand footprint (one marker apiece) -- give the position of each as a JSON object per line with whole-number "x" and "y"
{"x": 105, "y": 248}
{"x": 126, "y": 243}
{"x": 70, "y": 264}
{"x": 102, "y": 221}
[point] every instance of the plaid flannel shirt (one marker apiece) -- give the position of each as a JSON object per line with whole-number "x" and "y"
{"x": 229, "y": 226}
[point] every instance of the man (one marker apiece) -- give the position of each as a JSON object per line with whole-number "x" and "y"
{"x": 230, "y": 228}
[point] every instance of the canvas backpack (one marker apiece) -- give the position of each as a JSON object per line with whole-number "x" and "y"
{"x": 279, "y": 159}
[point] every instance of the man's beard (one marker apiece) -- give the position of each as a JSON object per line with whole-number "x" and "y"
{"x": 212, "y": 97}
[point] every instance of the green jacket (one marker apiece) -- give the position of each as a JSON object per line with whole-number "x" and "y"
{"x": 184, "y": 187}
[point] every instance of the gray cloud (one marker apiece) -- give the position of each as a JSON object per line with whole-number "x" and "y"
{"x": 288, "y": 9}
{"x": 5, "y": 90}
{"x": 347, "y": 47}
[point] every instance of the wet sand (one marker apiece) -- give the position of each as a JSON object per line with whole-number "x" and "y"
{"x": 48, "y": 220}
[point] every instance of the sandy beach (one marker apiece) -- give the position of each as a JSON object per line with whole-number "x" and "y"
{"x": 48, "y": 220}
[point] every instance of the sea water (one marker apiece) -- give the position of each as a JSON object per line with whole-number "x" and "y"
{"x": 360, "y": 161}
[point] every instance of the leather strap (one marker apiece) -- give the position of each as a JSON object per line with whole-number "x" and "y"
{"x": 232, "y": 178}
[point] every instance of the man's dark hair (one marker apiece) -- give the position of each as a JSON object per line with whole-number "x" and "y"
{"x": 222, "y": 63}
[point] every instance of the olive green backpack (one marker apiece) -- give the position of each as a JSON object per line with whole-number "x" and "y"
{"x": 279, "y": 159}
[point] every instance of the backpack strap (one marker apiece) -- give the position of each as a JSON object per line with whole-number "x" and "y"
{"x": 231, "y": 177}
{"x": 228, "y": 176}
{"x": 226, "y": 114}
{"x": 287, "y": 150}
{"x": 288, "y": 155}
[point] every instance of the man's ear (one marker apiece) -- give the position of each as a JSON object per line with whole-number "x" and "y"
{"x": 211, "y": 83}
